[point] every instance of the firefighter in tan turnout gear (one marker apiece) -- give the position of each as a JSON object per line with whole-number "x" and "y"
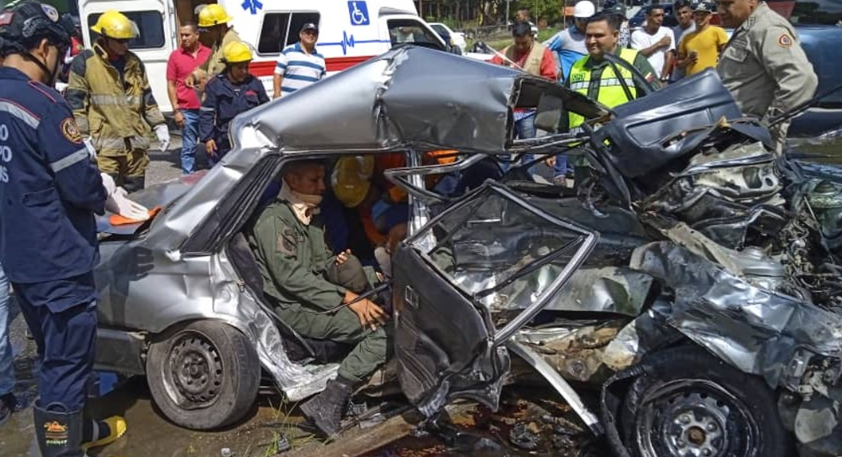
{"x": 109, "y": 93}
{"x": 214, "y": 20}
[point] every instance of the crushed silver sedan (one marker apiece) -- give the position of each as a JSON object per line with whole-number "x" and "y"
{"x": 693, "y": 279}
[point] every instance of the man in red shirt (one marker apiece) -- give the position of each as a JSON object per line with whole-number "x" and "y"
{"x": 531, "y": 57}
{"x": 184, "y": 101}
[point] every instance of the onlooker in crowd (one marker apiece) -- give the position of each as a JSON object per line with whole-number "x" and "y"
{"x": 534, "y": 58}
{"x": 619, "y": 10}
{"x": 228, "y": 94}
{"x": 700, "y": 49}
{"x": 112, "y": 102}
{"x": 763, "y": 65}
{"x": 523, "y": 15}
{"x": 684, "y": 14}
{"x": 76, "y": 43}
{"x": 655, "y": 42}
{"x": 597, "y": 78}
{"x": 315, "y": 292}
{"x": 299, "y": 65}
{"x": 184, "y": 100}
{"x": 8, "y": 402}
{"x": 569, "y": 44}
{"x": 76, "y": 48}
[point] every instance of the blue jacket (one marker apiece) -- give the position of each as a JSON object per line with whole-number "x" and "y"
{"x": 224, "y": 100}
{"x": 50, "y": 187}
{"x": 567, "y": 49}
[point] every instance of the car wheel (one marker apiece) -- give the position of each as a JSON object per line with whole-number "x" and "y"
{"x": 691, "y": 404}
{"x": 204, "y": 376}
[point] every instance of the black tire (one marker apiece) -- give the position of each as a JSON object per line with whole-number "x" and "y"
{"x": 690, "y": 403}
{"x": 204, "y": 376}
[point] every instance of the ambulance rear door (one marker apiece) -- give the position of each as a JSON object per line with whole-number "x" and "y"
{"x": 156, "y": 21}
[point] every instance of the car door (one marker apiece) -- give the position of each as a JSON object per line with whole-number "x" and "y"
{"x": 466, "y": 282}
{"x": 155, "y": 19}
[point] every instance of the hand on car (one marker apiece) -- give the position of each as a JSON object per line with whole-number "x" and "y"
{"x": 118, "y": 203}
{"x": 367, "y": 311}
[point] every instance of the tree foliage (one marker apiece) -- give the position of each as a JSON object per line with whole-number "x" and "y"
{"x": 488, "y": 11}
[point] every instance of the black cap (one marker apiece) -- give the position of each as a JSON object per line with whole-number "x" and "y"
{"x": 310, "y": 26}
{"x": 21, "y": 27}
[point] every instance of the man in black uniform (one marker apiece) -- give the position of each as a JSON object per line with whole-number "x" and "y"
{"x": 50, "y": 189}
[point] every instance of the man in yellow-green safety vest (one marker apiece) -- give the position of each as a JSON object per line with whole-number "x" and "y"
{"x": 597, "y": 78}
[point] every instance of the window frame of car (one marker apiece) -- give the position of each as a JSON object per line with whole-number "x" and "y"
{"x": 234, "y": 210}
{"x": 294, "y": 21}
{"x": 238, "y": 206}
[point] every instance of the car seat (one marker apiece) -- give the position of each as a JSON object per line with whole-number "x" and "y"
{"x": 297, "y": 347}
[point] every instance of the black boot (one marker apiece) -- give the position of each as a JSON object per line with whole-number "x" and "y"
{"x": 59, "y": 432}
{"x": 325, "y": 409}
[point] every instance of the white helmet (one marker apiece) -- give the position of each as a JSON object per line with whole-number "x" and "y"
{"x": 584, "y": 9}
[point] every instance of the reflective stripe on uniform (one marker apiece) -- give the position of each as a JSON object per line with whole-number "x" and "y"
{"x": 106, "y": 100}
{"x": 20, "y": 113}
{"x": 610, "y": 90}
{"x": 607, "y": 82}
{"x": 72, "y": 159}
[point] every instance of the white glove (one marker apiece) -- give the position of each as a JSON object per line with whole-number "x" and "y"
{"x": 118, "y": 203}
{"x": 163, "y": 135}
{"x": 108, "y": 183}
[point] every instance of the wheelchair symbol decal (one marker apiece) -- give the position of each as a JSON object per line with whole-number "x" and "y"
{"x": 358, "y": 13}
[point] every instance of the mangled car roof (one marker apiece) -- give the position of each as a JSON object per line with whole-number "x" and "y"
{"x": 409, "y": 97}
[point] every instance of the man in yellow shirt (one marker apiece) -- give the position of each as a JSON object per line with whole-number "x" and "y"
{"x": 700, "y": 49}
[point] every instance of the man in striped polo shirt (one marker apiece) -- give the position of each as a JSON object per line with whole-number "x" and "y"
{"x": 299, "y": 65}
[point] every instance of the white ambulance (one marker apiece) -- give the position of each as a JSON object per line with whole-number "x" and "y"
{"x": 350, "y": 31}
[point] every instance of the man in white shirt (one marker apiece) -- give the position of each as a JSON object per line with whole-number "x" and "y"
{"x": 655, "y": 42}
{"x": 299, "y": 65}
{"x": 684, "y": 14}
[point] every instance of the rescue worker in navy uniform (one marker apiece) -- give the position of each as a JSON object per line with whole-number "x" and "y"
{"x": 50, "y": 189}
{"x": 228, "y": 94}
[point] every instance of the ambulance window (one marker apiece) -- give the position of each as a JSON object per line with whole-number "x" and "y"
{"x": 403, "y": 31}
{"x": 281, "y": 29}
{"x": 149, "y": 23}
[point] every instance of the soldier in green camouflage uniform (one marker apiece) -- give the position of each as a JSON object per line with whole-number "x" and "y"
{"x": 305, "y": 282}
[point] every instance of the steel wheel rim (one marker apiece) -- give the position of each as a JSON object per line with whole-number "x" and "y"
{"x": 694, "y": 418}
{"x": 194, "y": 371}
